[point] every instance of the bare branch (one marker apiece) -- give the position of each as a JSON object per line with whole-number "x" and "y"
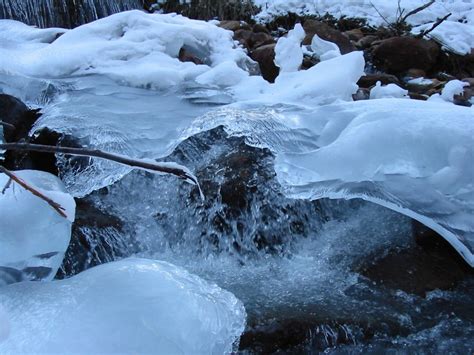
{"x": 162, "y": 167}
{"x": 35, "y": 192}
{"x": 436, "y": 24}
{"x": 7, "y": 125}
{"x": 418, "y": 9}
{"x": 7, "y": 185}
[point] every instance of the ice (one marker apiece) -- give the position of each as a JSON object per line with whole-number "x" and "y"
{"x": 453, "y": 87}
{"x": 387, "y": 91}
{"x": 133, "y": 47}
{"x": 415, "y": 159}
{"x": 324, "y": 50}
{"x": 288, "y": 52}
{"x": 130, "y": 306}
{"x": 35, "y": 249}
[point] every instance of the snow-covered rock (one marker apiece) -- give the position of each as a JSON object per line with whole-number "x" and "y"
{"x": 453, "y": 87}
{"x": 288, "y": 52}
{"x": 387, "y": 91}
{"x": 33, "y": 236}
{"x": 133, "y": 306}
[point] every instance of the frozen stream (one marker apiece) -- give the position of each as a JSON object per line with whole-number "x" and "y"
{"x": 307, "y": 295}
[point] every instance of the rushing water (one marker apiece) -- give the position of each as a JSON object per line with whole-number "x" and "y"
{"x": 294, "y": 263}
{"x": 63, "y": 13}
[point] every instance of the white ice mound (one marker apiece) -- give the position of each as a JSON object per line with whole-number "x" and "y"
{"x": 288, "y": 52}
{"x": 136, "y": 48}
{"x": 133, "y": 306}
{"x": 33, "y": 236}
{"x": 413, "y": 157}
{"x": 380, "y": 91}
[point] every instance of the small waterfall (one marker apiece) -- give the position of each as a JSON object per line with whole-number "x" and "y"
{"x": 63, "y": 13}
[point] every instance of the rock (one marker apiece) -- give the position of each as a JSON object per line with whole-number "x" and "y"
{"x": 97, "y": 237}
{"x": 265, "y": 56}
{"x": 417, "y": 96}
{"x": 367, "y": 81}
{"x": 234, "y": 25}
{"x": 354, "y": 35}
{"x": 361, "y": 94}
{"x": 366, "y": 41}
{"x": 186, "y": 56}
{"x": 257, "y": 28}
{"x": 260, "y": 39}
{"x": 243, "y": 36}
{"x": 14, "y": 112}
{"x": 415, "y": 73}
{"x": 425, "y": 86}
{"x": 399, "y": 54}
{"x": 327, "y": 33}
{"x": 431, "y": 264}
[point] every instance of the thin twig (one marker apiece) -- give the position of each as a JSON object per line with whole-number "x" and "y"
{"x": 418, "y": 9}
{"x": 382, "y": 16}
{"x": 35, "y": 192}
{"x": 169, "y": 168}
{"x": 7, "y": 185}
{"x": 436, "y": 24}
{"x": 8, "y": 125}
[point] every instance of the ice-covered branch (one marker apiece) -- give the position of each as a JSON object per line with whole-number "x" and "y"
{"x": 161, "y": 167}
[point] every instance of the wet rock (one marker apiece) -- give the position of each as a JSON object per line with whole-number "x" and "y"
{"x": 399, "y": 54}
{"x": 14, "y": 112}
{"x": 97, "y": 237}
{"x": 429, "y": 265}
{"x": 367, "y": 81}
{"x": 417, "y": 96}
{"x": 327, "y": 33}
{"x": 186, "y": 56}
{"x": 265, "y": 56}
{"x": 361, "y": 94}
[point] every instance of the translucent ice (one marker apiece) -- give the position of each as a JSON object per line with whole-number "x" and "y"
{"x": 133, "y": 306}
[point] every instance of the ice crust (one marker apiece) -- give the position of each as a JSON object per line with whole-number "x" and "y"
{"x": 33, "y": 236}
{"x": 130, "y": 306}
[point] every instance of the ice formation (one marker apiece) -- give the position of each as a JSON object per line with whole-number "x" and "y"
{"x": 33, "y": 250}
{"x": 130, "y": 306}
{"x": 324, "y": 50}
{"x": 387, "y": 91}
{"x": 288, "y": 52}
{"x": 133, "y": 47}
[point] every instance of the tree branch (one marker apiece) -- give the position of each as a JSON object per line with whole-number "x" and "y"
{"x": 35, "y": 192}
{"x": 435, "y": 24}
{"x": 7, "y": 125}
{"x": 418, "y": 9}
{"x": 161, "y": 167}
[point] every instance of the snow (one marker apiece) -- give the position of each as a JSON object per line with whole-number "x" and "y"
{"x": 130, "y": 306}
{"x": 455, "y": 33}
{"x": 133, "y": 47}
{"x": 324, "y": 50}
{"x": 42, "y": 241}
{"x": 380, "y": 91}
{"x": 288, "y": 52}
{"x": 453, "y": 87}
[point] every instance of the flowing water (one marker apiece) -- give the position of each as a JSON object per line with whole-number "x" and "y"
{"x": 63, "y": 13}
{"x": 293, "y": 262}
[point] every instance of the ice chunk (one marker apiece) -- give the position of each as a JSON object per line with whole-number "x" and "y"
{"x": 133, "y": 306}
{"x": 324, "y": 50}
{"x": 33, "y": 236}
{"x": 288, "y": 52}
{"x": 387, "y": 91}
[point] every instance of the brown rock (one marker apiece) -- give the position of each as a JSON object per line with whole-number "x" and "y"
{"x": 243, "y": 36}
{"x": 354, "y": 35}
{"x": 257, "y": 28}
{"x": 264, "y": 56}
{"x": 327, "y": 33}
{"x": 366, "y": 41}
{"x": 367, "y": 81}
{"x": 416, "y": 73}
{"x": 234, "y": 25}
{"x": 399, "y": 54}
{"x": 260, "y": 39}
{"x": 186, "y": 56}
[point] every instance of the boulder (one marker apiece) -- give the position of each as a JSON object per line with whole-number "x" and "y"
{"x": 234, "y": 25}
{"x": 399, "y": 54}
{"x": 367, "y": 81}
{"x": 14, "y": 112}
{"x": 265, "y": 56}
{"x": 327, "y": 33}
